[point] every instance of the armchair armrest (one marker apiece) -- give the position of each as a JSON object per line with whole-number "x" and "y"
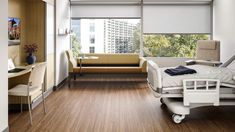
{"x": 190, "y": 62}
{"x": 234, "y": 78}
{"x": 203, "y": 62}
{"x": 143, "y": 64}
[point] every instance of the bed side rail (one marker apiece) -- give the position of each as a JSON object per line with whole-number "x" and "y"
{"x": 154, "y": 77}
{"x": 201, "y": 91}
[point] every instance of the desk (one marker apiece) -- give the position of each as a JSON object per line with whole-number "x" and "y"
{"x": 21, "y": 77}
{"x": 16, "y": 74}
{"x": 27, "y": 68}
{"x": 85, "y": 58}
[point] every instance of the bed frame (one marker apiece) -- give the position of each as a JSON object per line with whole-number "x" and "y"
{"x": 195, "y": 93}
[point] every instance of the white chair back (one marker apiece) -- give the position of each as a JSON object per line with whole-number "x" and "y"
{"x": 37, "y": 74}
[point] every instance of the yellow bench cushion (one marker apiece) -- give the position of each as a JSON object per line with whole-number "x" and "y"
{"x": 112, "y": 59}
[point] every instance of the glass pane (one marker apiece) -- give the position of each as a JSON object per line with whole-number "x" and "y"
{"x": 172, "y": 45}
{"x": 105, "y": 35}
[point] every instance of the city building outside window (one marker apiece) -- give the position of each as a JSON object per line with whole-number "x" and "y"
{"x": 92, "y": 38}
{"x": 92, "y": 27}
{"x": 106, "y": 35}
{"x": 92, "y": 49}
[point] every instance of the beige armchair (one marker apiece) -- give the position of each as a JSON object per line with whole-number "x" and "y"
{"x": 73, "y": 69}
{"x": 208, "y": 53}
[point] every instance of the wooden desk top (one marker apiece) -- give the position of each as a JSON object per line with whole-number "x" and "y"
{"x": 27, "y": 70}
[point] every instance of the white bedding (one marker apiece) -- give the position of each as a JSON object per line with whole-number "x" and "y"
{"x": 225, "y": 75}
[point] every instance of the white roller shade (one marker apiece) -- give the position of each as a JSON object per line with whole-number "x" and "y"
{"x": 103, "y": 11}
{"x": 176, "y": 19}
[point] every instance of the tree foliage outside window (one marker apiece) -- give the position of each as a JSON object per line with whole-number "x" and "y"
{"x": 76, "y": 46}
{"x": 136, "y": 39}
{"x": 172, "y": 45}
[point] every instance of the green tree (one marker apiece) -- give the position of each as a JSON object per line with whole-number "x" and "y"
{"x": 171, "y": 45}
{"x": 136, "y": 39}
{"x": 76, "y": 46}
{"x": 155, "y": 45}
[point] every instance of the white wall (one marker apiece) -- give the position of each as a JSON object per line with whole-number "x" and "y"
{"x": 3, "y": 62}
{"x": 224, "y": 26}
{"x": 62, "y": 41}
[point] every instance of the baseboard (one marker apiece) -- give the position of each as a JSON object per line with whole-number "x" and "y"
{"x": 62, "y": 83}
{"x": 34, "y": 104}
{"x": 6, "y": 129}
{"x": 38, "y": 100}
{"x": 115, "y": 74}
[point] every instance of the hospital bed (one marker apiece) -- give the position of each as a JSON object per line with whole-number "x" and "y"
{"x": 210, "y": 86}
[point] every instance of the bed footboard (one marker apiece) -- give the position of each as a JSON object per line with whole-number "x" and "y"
{"x": 201, "y": 91}
{"x": 154, "y": 78}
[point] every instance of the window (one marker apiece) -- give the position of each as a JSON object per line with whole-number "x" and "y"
{"x": 106, "y": 35}
{"x": 92, "y": 27}
{"x": 172, "y": 45}
{"x": 92, "y": 49}
{"x": 92, "y": 38}
{"x": 171, "y": 31}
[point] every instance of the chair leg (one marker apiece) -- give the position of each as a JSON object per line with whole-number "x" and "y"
{"x": 30, "y": 114}
{"x": 69, "y": 79}
{"x": 74, "y": 76}
{"x": 43, "y": 99}
{"x": 21, "y": 104}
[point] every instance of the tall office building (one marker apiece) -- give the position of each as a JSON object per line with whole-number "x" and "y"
{"x": 118, "y": 36}
{"x": 106, "y": 36}
{"x": 92, "y": 35}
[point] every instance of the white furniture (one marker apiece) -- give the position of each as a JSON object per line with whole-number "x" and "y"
{"x": 210, "y": 86}
{"x": 35, "y": 84}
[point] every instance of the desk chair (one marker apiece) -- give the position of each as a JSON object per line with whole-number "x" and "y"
{"x": 208, "y": 53}
{"x": 35, "y": 84}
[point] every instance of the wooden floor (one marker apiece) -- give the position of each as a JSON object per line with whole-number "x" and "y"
{"x": 115, "y": 103}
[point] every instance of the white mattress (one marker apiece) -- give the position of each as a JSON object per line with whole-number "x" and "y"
{"x": 225, "y": 75}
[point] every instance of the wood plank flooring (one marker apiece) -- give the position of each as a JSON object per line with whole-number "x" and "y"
{"x": 115, "y": 103}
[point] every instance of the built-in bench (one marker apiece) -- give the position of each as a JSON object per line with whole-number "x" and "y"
{"x": 113, "y": 63}
{"x": 107, "y": 63}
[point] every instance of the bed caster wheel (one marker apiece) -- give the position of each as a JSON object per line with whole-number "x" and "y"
{"x": 177, "y": 118}
{"x": 161, "y": 100}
